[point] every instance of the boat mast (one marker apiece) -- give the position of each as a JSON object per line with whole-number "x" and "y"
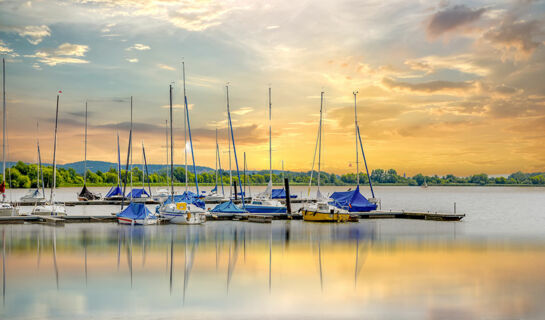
{"x": 4, "y": 127}
{"x": 166, "y": 144}
{"x": 356, "y": 134}
{"x": 270, "y": 140}
{"x": 118, "y": 162}
{"x": 171, "y": 150}
{"x": 185, "y": 130}
{"x": 51, "y": 198}
{"x": 40, "y": 161}
{"x": 221, "y": 171}
{"x": 131, "y": 150}
{"x": 85, "y": 153}
{"x": 216, "y": 160}
{"x": 320, "y": 142}
{"x": 244, "y": 180}
{"x": 229, "y": 144}
{"x": 190, "y": 140}
{"x": 234, "y": 147}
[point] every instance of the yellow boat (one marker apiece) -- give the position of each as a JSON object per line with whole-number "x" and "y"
{"x": 324, "y": 212}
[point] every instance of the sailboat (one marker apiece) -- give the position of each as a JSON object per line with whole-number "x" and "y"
{"x": 321, "y": 210}
{"x": 162, "y": 194}
{"x": 85, "y": 194}
{"x": 35, "y": 195}
{"x": 52, "y": 208}
{"x": 229, "y": 207}
{"x": 264, "y": 203}
{"x": 215, "y": 194}
{"x": 182, "y": 209}
{"x": 353, "y": 200}
{"x": 141, "y": 195}
{"x": 136, "y": 194}
{"x": 135, "y": 213}
{"x": 115, "y": 192}
{"x": 6, "y": 209}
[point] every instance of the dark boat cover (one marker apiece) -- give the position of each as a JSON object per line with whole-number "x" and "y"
{"x": 114, "y": 191}
{"x": 137, "y": 193}
{"x": 85, "y": 193}
{"x": 281, "y": 194}
{"x": 353, "y": 201}
{"x": 227, "y": 207}
{"x": 136, "y": 211}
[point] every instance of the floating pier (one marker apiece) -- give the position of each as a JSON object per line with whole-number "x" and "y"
{"x": 416, "y": 215}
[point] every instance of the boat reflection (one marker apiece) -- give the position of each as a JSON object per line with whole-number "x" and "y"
{"x": 228, "y": 269}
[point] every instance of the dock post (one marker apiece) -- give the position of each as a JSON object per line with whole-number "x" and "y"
{"x": 454, "y": 207}
{"x": 235, "y": 187}
{"x": 288, "y": 202}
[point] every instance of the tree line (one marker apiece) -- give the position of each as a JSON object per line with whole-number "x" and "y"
{"x": 24, "y": 175}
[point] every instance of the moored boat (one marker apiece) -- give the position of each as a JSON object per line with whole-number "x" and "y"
{"x": 324, "y": 212}
{"x": 136, "y": 214}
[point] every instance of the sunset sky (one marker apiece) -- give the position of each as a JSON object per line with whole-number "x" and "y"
{"x": 444, "y": 87}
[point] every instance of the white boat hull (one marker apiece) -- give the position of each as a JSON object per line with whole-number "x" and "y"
{"x": 138, "y": 222}
{"x": 49, "y": 210}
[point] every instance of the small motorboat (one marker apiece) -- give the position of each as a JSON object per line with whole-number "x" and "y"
{"x": 265, "y": 205}
{"x": 136, "y": 214}
{"x": 161, "y": 195}
{"x": 182, "y": 213}
{"x": 7, "y": 209}
{"x": 55, "y": 209}
{"x": 322, "y": 211}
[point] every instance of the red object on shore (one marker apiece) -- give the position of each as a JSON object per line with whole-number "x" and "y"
{"x": 3, "y": 187}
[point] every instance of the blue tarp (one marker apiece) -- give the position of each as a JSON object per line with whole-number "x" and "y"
{"x": 353, "y": 201}
{"x": 114, "y": 191}
{"x": 136, "y": 211}
{"x": 214, "y": 190}
{"x": 137, "y": 193}
{"x": 227, "y": 207}
{"x": 281, "y": 194}
{"x": 188, "y": 197}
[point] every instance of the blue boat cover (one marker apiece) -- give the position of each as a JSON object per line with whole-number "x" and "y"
{"x": 137, "y": 193}
{"x": 353, "y": 201}
{"x": 114, "y": 191}
{"x": 227, "y": 207}
{"x": 188, "y": 197}
{"x": 214, "y": 190}
{"x": 136, "y": 211}
{"x": 281, "y": 194}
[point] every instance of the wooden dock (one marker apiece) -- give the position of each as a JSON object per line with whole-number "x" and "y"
{"x": 416, "y": 215}
{"x": 55, "y": 220}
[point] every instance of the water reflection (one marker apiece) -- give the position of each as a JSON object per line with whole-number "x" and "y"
{"x": 284, "y": 269}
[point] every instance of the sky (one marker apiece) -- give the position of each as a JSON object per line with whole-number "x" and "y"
{"x": 443, "y": 86}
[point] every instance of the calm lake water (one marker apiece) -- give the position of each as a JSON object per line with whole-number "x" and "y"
{"x": 488, "y": 266}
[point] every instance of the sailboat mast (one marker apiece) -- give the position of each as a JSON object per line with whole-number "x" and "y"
{"x": 41, "y": 176}
{"x": 4, "y": 122}
{"x": 190, "y": 140}
{"x": 185, "y": 130}
{"x": 118, "y": 162}
{"x": 221, "y": 171}
{"x": 234, "y": 147}
{"x": 216, "y": 160}
{"x": 166, "y": 144}
{"x": 51, "y": 198}
{"x": 244, "y": 191}
{"x": 85, "y": 152}
{"x": 356, "y": 134}
{"x": 270, "y": 138}
{"x": 229, "y": 143}
{"x": 131, "y": 149}
{"x": 320, "y": 140}
{"x": 171, "y": 150}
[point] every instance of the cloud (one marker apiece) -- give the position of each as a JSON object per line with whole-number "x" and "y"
{"x": 272, "y": 27}
{"x": 4, "y": 49}
{"x": 242, "y": 111}
{"x": 429, "y": 87}
{"x": 166, "y": 67}
{"x": 139, "y": 47}
{"x": 516, "y": 34}
{"x": 466, "y": 63}
{"x": 34, "y": 34}
{"x": 66, "y": 53}
{"x": 452, "y": 18}
{"x": 248, "y": 135}
{"x": 132, "y": 60}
